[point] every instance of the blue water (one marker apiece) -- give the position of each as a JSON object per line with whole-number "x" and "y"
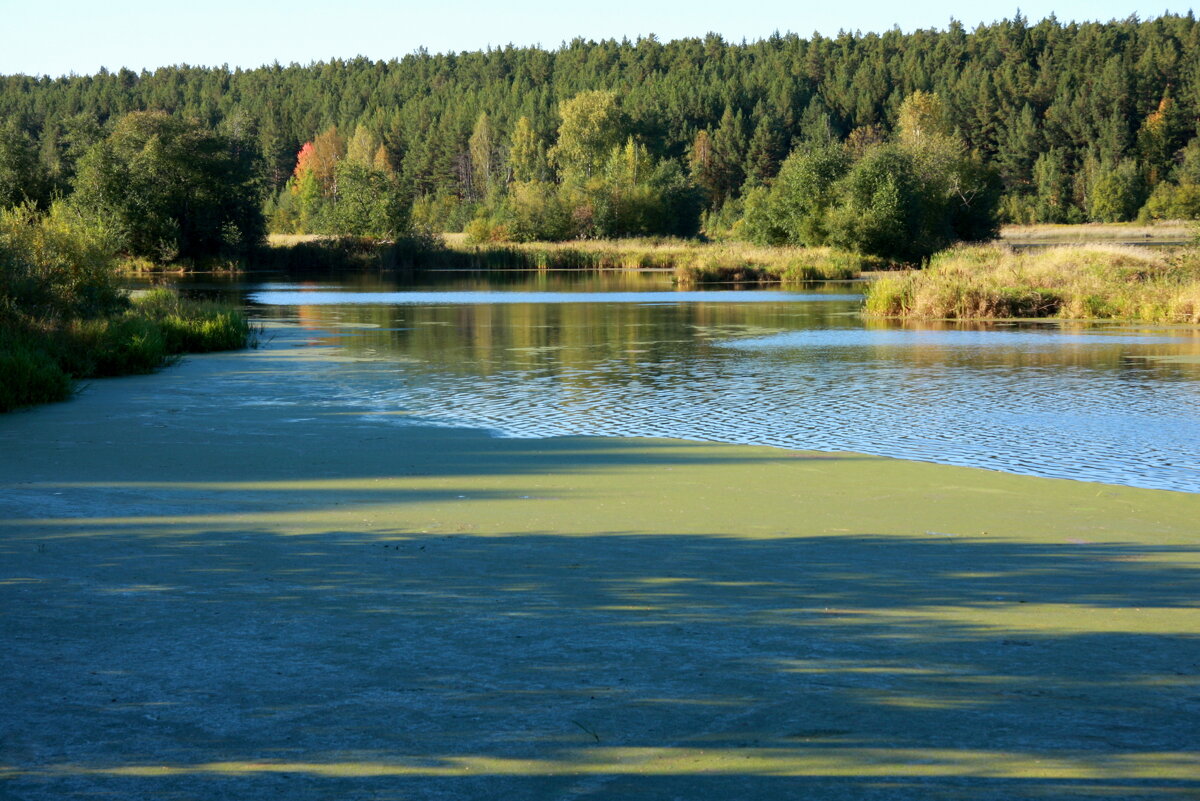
{"x": 1115, "y": 404}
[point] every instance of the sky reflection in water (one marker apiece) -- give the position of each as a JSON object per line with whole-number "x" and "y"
{"x": 796, "y": 370}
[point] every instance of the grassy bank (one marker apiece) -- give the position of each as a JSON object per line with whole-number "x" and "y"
{"x": 1151, "y": 233}
{"x": 773, "y": 265}
{"x": 64, "y": 317}
{"x": 41, "y": 359}
{"x": 692, "y": 262}
{"x": 1073, "y": 282}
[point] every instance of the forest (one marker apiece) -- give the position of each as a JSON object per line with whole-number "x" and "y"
{"x": 1031, "y": 122}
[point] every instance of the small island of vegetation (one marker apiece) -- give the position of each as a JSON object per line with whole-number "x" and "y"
{"x": 1073, "y": 282}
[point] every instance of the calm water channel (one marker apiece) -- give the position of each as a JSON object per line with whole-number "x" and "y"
{"x": 533, "y": 355}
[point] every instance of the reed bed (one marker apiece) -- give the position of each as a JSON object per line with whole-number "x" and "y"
{"x": 1071, "y": 282}
{"x": 1098, "y": 233}
{"x": 692, "y": 262}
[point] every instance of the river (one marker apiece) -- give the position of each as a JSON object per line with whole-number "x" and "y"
{"x": 536, "y": 354}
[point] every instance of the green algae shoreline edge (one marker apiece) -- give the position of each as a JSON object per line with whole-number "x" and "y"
{"x": 211, "y": 598}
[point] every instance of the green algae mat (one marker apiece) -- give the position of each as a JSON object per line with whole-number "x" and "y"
{"x": 204, "y": 597}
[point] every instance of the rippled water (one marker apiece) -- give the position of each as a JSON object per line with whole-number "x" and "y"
{"x": 567, "y": 355}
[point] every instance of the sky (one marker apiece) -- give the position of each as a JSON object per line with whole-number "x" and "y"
{"x": 71, "y": 36}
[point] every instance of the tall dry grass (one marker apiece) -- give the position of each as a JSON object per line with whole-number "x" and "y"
{"x": 1159, "y": 231}
{"x": 1074, "y": 282}
{"x": 692, "y": 262}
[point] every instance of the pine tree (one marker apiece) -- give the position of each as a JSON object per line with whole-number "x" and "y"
{"x": 765, "y": 152}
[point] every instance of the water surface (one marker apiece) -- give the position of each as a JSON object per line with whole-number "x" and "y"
{"x": 544, "y": 354}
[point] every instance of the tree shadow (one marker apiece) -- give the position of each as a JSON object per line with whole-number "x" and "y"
{"x": 215, "y": 663}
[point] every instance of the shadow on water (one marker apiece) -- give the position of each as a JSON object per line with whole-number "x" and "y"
{"x": 208, "y": 654}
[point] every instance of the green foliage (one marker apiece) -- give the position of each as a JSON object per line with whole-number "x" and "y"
{"x": 592, "y": 125}
{"x": 1170, "y": 201}
{"x": 923, "y": 121}
{"x": 629, "y": 193}
{"x": 638, "y": 196}
{"x": 1117, "y": 194}
{"x": 39, "y": 360}
{"x": 527, "y": 154}
{"x": 485, "y": 161}
{"x": 284, "y": 212}
{"x": 171, "y": 189}
{"x": 123, "y": 345}
{"x": 30, "y": 374}
{"x": 368, "y": 203}
{"x": 757, "y": 224}
{"x": 361, "y": 148}
{"x": 765, "y": 151}
{"x": 188, "y": 326}
{"x": 882, "y": 210}
{"x": 55, "y": 266}
{"x": 344, "y": 189}
{"x": 532, "y": 210}
{"x": 22, "y": 177}
{"x": 63, "y": 316}
{"x": 901, "y": 201}
{"x": 1052, "y": 178}
{"x": 725, "y": 223}
{"x": 1083, "y": 94}
{"x": 433, "y": 215}
{"x": 798, "y": 205}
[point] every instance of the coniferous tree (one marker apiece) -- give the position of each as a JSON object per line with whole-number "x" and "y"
{"x": 765, "y": 152}
{"x": 1093, "y": 93}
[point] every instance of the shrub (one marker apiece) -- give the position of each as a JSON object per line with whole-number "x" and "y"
{"x": 1117, "y": 194}
{"x": 1171, "y": 201}
{"x": 56, "y": 265}
{"x": 31, "y": 375}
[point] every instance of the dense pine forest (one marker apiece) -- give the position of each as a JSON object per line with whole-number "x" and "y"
{"x": 1037, "y": 122}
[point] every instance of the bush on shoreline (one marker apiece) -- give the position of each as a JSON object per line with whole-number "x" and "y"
{"x": 63, "y": 316}
{"x": 40, "y": 359}
{"x": 1081, "y": 282}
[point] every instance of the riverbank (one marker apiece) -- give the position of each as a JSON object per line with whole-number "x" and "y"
{"x": 64, "y": 316}
{"x": 1070, "y": 282}
{"x": 1157, "y": 233}
{"x": 41, "y": 360}
{"x": 206, "y": 592}
{"x": 692, "y": 262}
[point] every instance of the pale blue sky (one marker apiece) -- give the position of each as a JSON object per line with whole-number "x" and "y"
{"x": 75, "y": 36}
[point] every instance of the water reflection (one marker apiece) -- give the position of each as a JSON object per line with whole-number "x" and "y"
{"x": 325, "y": 297}
{"x": 1118, "y": 404}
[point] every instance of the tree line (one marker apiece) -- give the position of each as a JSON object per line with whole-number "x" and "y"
{"x": 1046, "y": 121}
